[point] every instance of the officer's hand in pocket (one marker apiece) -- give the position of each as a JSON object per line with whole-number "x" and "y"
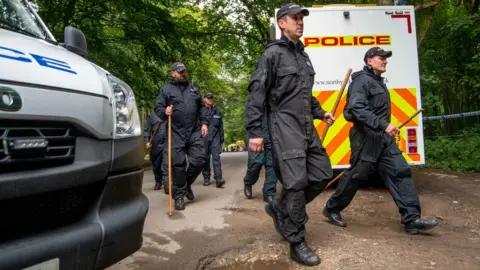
{"x": 256, "y": 144}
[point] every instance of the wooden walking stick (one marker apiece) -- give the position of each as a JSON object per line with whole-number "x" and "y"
{"x": 154, "y": 134}
{"x": 399, "y": 127}
{"x": 339, "y": 97}
{"x": 170, "y": 163}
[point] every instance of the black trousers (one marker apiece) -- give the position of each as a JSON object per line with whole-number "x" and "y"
{"x": 377, "y": 151}
{"x": 304, "y": 175}
{"x": 213, "y": 147}
{"x": 192, "y": 145}
{"x": 159, "y": 163}
{"x": 255, "y": 162}
{"x": 159, "y": 166}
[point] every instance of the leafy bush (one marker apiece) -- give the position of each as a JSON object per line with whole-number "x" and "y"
{"x": 460, "y": 152}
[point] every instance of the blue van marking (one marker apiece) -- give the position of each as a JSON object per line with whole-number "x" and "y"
{"x": 41, "y": 60}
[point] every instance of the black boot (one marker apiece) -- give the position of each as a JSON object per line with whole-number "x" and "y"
{"x": 276, "y": 216}
{"x": 247, "y": 189}
{"x": 268, "y": 198}
{"x": 165, "y": 189}
{"x": 190, "y": 195}
{"x": 303, "y": 254}
{"x": 179, "y": 204}
{"x": 220, "y": 183}
{"x": 413, "y": 227}
{"x": 206, "y": 182}
{"x": 335, "y": 218}
{"x": 157, "y": 186}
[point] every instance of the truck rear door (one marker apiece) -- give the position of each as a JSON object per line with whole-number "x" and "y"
{"x": 336, "y": 39}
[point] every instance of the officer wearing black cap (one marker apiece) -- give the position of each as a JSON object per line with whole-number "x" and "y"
{"x": 373, "y": 147}
{"x": 189, "y": 126}
{"x": 213, "y": 142}
{"x": 281, "y": 86}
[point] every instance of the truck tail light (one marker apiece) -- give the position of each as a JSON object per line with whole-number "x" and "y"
{"x": 412, "y": 141}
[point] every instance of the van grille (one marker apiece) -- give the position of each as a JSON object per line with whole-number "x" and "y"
{"x": 33, "y": 145}
{"x": 33, "y": 214}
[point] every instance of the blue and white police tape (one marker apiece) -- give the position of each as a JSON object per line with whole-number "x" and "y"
{"x": 450, "y": 116}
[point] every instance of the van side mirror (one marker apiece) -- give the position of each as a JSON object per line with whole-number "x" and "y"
{"x": 75, "y": 41}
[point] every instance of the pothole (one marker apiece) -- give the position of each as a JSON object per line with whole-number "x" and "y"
{"x": 256, "y": 256}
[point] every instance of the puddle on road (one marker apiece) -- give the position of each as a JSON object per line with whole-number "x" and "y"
{"x": 257, "y": 265}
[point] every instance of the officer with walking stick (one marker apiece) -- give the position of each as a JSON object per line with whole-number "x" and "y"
{"x": 154, "y": 137}
{"x": 373, "y": 147}
{"x": 188, "y": 127}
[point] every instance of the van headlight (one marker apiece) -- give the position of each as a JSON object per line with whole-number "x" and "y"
{"x": 127, "y": 122}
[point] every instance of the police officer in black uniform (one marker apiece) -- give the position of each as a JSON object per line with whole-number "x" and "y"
{"x": 189, "y": 126}
{"x": 373, "y": 147}
{"x": 281, "y": 86}
{"x": 255, "y": 162}
{"x": 213, "y": 142}
{"x": 153, "y": 127}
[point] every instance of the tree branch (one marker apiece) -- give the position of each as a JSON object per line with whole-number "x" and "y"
{"x": 256, "y": 20}
{"x": 427, "y": 5}
{"x": 424, "y": 30}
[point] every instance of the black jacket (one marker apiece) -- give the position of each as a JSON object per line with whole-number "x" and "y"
{"x": 283, "y": 81}
{"x": 368, "y": 101}
{"x": 215, "y": 122}
{"x": 187, "y": 106}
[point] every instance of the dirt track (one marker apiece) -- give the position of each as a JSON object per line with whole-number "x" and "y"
{"x": 222, "y": 230}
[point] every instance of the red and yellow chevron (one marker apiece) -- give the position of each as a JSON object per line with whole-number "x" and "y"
{"x": 337, "y": 143}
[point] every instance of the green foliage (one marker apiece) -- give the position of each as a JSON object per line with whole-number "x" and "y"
{"x": 450, "y": 67}
{"x": 220, "y": 41}
{"x": 459, "y": 152}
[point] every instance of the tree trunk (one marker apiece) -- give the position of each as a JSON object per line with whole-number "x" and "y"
{"x": 424, "y": 29}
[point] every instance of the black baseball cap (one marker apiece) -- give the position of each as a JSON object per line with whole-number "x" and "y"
{"x": 178, "y": 67}
{"x": 290, "y": 9}
{"x": 208, "y": 95}
{"x": 376, "y": 51}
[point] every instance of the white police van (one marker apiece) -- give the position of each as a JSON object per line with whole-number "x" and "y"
{"x": 71, "y": 153}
